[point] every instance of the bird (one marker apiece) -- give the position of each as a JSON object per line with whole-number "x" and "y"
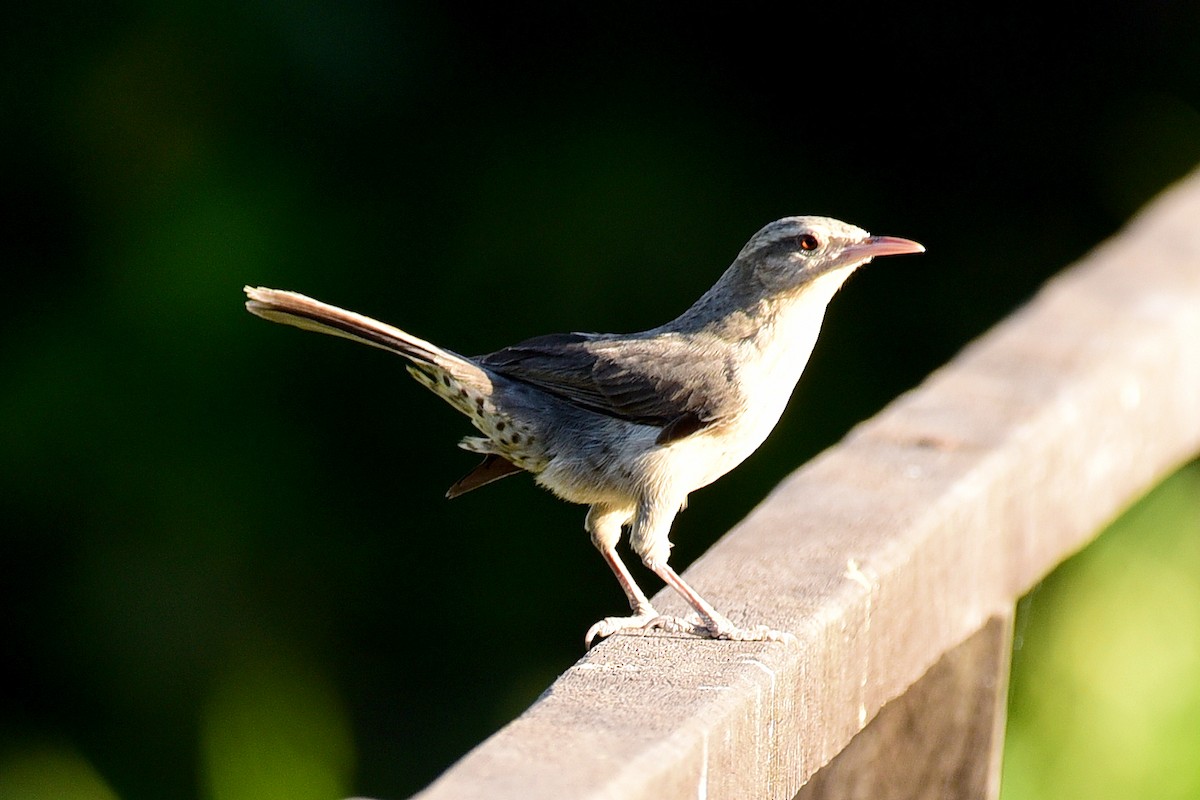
{"x": 631, "y": 424}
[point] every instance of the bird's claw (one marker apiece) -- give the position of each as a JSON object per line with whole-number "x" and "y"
{"x": 641, "y": 620}
{"x": 719, "y": 628}
{"x": 759, "y": 633}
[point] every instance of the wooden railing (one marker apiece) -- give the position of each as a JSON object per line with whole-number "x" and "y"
{"x": 896, "y": 558}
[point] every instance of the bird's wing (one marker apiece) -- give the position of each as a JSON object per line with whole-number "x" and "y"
{"x": 663, "y": 380}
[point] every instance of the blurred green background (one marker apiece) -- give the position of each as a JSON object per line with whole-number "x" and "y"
{"x": 228, "y": 568}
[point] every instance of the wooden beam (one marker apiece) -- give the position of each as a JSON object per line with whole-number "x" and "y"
{"x": 941, "y": 739}
{"x": 891, "y": 549}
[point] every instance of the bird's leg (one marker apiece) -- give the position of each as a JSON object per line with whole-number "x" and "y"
{"x": 713, "y": 624}
{"x": 649, "y": 540}
{"x": 713, "y": 621}
{"x": 638, "y": 601}
{"x": 604, "y": 524}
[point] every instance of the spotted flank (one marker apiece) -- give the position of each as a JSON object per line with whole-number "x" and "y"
{"x": 503, "y": 436}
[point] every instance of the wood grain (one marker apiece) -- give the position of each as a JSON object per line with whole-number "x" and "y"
{"x": 940, "y": 739}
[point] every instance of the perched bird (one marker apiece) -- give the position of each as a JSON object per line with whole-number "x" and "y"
{"x": 630, "y": 424}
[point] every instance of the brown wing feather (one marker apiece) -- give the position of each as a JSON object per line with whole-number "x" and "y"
{"x": 649, "y": 380}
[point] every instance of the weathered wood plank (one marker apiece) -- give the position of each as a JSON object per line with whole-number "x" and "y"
{"x": 941, "y": 739}
{"x": 891, "y": 548}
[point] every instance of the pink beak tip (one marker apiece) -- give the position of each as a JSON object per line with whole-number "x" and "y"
{"x": 891, "y": 246}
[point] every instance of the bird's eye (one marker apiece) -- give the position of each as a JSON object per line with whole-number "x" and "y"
{"x": 808, "y": 242}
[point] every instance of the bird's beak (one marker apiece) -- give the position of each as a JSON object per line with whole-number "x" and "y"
{"x": 874, "y": 246}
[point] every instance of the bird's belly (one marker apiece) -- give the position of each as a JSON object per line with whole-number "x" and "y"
{"x": 619, "y": 462}
{"x": 701, "y": 459}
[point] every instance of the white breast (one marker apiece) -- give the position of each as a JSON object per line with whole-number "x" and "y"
{"x": 770, "y": 367}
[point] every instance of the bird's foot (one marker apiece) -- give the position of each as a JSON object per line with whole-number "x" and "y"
{"x": 757, "y": 633}
{"x": 718, "y": 627}
{"x": 641, "y": 619}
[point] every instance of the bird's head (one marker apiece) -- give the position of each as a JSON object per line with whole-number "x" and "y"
{"x": 792, "y": 253}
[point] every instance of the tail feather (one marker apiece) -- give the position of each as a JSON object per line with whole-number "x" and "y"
{"x": 291, "y": 308}
{"x": 457, "y": 380}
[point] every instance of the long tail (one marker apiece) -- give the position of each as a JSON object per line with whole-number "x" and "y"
{"x": 455, "y": 379}
{"x": 295, "y": 309}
